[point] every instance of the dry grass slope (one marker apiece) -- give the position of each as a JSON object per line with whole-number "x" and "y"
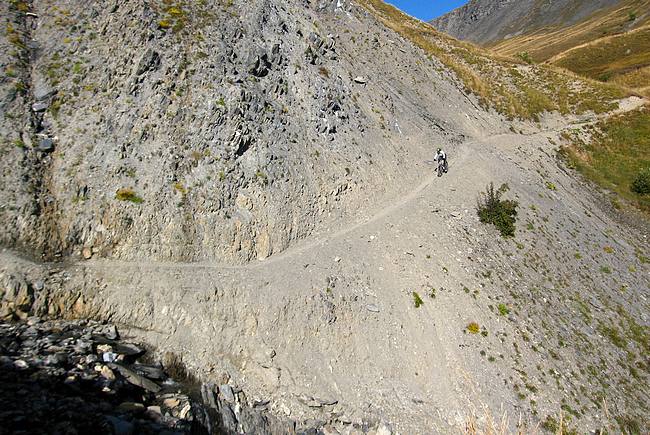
{"x": 514, "y": 88}
{"x": 624, "y": 59}
{"x": 616, "y": 155}
{"x": 547, "y": 42}
{"x": 610, "y": 46}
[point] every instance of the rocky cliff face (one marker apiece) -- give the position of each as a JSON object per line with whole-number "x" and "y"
{"x": 155, "y": 151}
{"x": 182, "y": 130}
{"x": 485, "y": 21}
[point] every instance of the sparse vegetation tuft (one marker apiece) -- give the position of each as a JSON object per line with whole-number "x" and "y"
{"x": 324, "y": 72}
{"x": 417, "y": 300}
{"x": 473, "y": 328}
{"x": 526, "y": 57}
{"x": 641, "y": 184}
{"x": 501, "y": 213}
{"x": 127, "y": 194}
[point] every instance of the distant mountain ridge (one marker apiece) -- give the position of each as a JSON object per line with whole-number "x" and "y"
{"x": 486, "y": 21}
{"x": 604, "y": 40}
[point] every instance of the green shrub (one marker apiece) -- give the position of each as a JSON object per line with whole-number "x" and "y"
{"x": 127, "y": 194}
{"x": 550, "y": 424}
{"x": 501, "y": 213}
{"x": 526, "y": 57}
{"x": 503, "y": 310}
{"x": 473, "y": 328}
{"x": 641, "y": 184}
{"x": 417, "y": 300}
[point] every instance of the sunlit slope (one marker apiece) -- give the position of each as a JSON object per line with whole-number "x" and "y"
{"x": 547, "y": 42}
{"x": 514, "y": 88}
{"x": 624, "y": 59}
{"x": 612, "y": 45}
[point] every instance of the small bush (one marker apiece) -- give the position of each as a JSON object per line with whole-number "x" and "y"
{"x": 503, "y": 310}
{"x": 642, "y": 258}
{"x": 127, "y": 194}
{"x": 526, "y": 57}
{"x": 473, "y": 328}
{"x": 180, "y": 188}
{"x": 501, "y": 213}
{"x": 550, "y": 424}
{"x": 262, "y": 177}
{"x": 417, "y": 300}
{"x": 641, "y": 184}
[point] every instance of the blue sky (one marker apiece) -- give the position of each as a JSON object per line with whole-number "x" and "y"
{"x": 427, "y": 9}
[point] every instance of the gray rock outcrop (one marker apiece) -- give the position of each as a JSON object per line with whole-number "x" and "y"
{"x": 199, "y": 131}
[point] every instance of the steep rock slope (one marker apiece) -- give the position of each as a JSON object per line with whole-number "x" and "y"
{"x": 327, "y": 329}
{"x": 486, "y": 21}
{"x": 187, "y": 131}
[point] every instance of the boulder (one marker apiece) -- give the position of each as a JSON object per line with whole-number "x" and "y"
{"x": 40, "y": 106}
{"x": 226, "y": 393}
{"x": 154, "y": 373}
{"x": 136, "y": 379}
{"x": 46, "y": 145}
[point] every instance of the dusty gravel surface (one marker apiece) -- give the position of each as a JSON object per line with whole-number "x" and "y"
{"x": 294, "y": 277}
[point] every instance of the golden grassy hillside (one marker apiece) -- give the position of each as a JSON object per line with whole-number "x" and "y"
{"x": 514, "y": 87}
{"x": 617, "y": 155}
{"x": 624, "y": 59}
{"x": 547, "y": 42}
{"x": 613, "y": 45}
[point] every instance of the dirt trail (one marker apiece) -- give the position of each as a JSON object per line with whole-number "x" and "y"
{"x": 463, "y": 161}
{"x": 594, "y": 42}
{"x": 334, "y": 316}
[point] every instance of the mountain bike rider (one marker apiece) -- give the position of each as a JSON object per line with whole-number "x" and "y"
{"x": 441, "y": 157}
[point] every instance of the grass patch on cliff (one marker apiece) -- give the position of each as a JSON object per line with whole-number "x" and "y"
{"x": 128, "y": 194}
{"x": 176, "y": 369}
{"x": 618, "y": 156}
